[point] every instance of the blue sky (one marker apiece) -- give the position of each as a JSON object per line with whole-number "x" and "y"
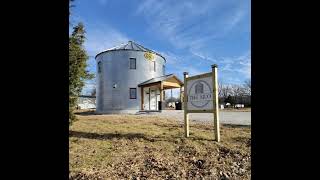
{"x": 191, "y": 34}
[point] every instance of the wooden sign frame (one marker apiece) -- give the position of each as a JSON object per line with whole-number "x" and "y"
{"x": 215, "y": 101}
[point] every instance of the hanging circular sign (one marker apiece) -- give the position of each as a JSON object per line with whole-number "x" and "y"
{"x": 149, "y": 56}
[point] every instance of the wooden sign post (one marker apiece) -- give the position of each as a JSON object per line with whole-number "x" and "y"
{"x": 185, "y": 97}
{"x": 215, "y": 102}
{"x": 201, "y": 96}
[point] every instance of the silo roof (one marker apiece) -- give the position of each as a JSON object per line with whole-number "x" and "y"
{"x": 131, "y": 45}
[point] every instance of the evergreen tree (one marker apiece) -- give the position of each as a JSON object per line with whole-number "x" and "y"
{"x": 77, "y": 67}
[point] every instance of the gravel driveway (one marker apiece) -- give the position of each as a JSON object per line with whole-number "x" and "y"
{"x": 226, "y": 117}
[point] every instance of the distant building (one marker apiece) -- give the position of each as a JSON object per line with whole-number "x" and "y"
{"x": 239, "y": 105}
{"x": 86, "y": 102}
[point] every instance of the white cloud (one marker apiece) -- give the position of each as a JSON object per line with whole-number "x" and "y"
{"x": 230, "y": 68}
{"x": 227, "y": 67}
{"x": 178, "y": 64}
{"x": 204, "y": 57}
{"x": 102, "y": 37}
{"x": 246, "y": 68}
{"x": 240, "y": 64}
{"x": 99, "y": 36}
{"x": 171, "y": 58}
{"x": 181, "y": 22}
{"x": 236, "y": 18}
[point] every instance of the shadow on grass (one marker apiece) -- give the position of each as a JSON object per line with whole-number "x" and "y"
{"x": 201, "y": 139}
{"x": 172, "y": 126}
{"x": 87, "y": 113}
{"x": 132, "y": 136}
{"x": 236, "y": 126}
{"x": 106, "y": 136}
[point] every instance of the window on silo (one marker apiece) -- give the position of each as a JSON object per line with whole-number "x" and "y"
{"x": 132, "y": 63}
{"x": 99, "y": 67}
{"x": 133, "y": 93}
{"x": 154, "y": 66}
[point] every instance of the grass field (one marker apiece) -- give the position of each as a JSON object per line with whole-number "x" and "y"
{"x": 142, "y": 147}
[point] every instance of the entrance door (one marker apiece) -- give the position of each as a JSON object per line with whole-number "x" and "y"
{"x": 150, "y": 99}
{"x": 146, "y": 104}
{"x": 153, "y": 99}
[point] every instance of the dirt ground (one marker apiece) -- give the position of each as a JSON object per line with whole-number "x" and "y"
{"x": 142, "y": 147}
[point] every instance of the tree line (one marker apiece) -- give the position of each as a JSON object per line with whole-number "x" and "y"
{"x": 235, "y": 93}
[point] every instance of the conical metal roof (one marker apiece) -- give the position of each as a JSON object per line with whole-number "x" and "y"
{"x": 131, "y": 46}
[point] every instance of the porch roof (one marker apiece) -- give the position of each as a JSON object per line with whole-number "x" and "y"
{"x": 170, "y": 79}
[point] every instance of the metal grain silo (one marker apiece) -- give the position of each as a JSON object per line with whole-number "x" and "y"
{"x": 120, "y": 70}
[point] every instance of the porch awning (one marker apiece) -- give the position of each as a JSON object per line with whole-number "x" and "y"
{"x": 168, "y": 81}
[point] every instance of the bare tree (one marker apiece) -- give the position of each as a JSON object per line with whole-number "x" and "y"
{"x": 93, "y": 92}
{"x": 235, "y": 93}
{"x": 220, "y": 87}
{"x": 225, "y": 90}
{"x": 235, "y": 90}
{"x": 247, "y": 85}
{"x": 239, "y": 93}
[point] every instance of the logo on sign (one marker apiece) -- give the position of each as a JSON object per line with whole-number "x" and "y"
{"x": 200, "y": 94}
{"x": 148, "y": 56}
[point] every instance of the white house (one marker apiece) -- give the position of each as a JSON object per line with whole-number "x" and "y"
{"x": 86, "y": 102}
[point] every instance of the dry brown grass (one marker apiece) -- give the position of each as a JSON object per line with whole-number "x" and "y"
{"x": 143, "y": 147}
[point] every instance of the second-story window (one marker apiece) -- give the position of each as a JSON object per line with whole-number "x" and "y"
{"x": 132, "y": 63}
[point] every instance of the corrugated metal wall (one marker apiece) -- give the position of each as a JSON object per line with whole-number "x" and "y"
{"x": 115, "y": 70}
